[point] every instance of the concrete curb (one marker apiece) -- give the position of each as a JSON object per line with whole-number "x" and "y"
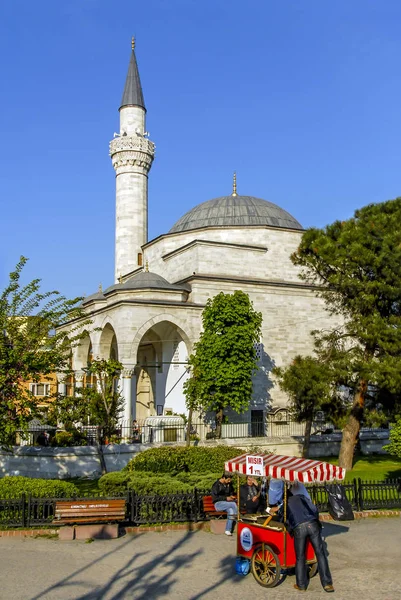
{"x": 200, "y": 526}
{"x": 365, "y": 514}
{"x": 27, "y": 532}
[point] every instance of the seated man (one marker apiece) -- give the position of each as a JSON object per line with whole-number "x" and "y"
{"x": 223, "y": 497}
{"x": 250, "y": 498}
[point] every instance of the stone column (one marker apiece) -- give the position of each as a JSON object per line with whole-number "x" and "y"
{"x": 79, "y": 378}
{"x": 61, "y": 384}
{"x": 127, "y": 389}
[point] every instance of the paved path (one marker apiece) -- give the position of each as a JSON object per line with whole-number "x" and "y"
{"x": 365, "y": 559}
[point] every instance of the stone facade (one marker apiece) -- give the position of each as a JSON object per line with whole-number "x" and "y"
{"x": 151, "y": 318}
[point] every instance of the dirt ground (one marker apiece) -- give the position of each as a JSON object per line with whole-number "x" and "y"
{"x": 364, "y": 558}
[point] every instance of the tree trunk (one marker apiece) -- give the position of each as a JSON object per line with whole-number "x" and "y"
{"x": 352, "y": 428}
{"x": 99, "y": 445}
{"x": 308, "y": 429}
{"x": 102, "y": 459}
{"x": 219, "y": 421}
{"x": 189, "y": 427}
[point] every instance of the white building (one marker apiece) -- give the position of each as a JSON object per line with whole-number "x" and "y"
{"x": 151, "y": 316}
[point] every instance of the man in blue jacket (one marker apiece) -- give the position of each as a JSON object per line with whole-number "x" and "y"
{"x": 303, "y": 523}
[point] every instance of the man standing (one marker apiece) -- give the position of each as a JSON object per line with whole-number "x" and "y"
{"x": 224, "y": 500}
{"x": 303, "y": 523}
{"x": 250, "y": 496}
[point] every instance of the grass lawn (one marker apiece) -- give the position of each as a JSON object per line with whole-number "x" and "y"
{"x": 376, "y": 467}
{"x": 86, "y": 486}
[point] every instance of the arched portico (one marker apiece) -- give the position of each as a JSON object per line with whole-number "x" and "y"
{"x": 161, "y": 369}
{"x": 108, "y": 346}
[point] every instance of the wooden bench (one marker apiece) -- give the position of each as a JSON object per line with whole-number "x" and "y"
{"x": 209, "y": 509}
{"x": 89, "y": 511}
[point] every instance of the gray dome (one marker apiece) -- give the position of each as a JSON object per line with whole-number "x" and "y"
{"x": 231, "y": 211}
{"x": 146, "y": 280}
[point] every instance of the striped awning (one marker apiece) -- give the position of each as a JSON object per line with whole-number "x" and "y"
{"x": 289, "y": 468}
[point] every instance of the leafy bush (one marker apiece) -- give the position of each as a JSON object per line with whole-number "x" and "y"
{"x": 112, "y": 484}
{"x": 394, "y": 447}
{"x": 201, "y": 481}
{"x": 64, "y": 439}
{"x": 157, "y": 485}
{"x": 14, "y": 487}
{"x": 142, "y": 482}
{"x": 181, "y": 459}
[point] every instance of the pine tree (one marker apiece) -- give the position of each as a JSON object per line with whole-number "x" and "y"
{"x": 308, "y": 383}
{"x": 356, "y": 268}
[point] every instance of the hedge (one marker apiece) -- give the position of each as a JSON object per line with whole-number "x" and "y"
{"x": 175, "y": 460}
{"x": 141, "y": 482}
{"x": 14, "y": 487}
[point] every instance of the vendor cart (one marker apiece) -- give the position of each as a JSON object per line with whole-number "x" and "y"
{"x": 263, "y": 541}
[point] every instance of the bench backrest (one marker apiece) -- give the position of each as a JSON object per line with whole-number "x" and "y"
{"x": 90, "y": 508}
{"x": 208, "y": 505}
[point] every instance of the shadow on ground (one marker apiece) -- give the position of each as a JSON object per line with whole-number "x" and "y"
{"x": 152, "y": 579}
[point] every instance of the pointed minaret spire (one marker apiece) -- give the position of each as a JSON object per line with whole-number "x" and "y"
{"x": 133, "y": 95}
{"x": 132, "y": 155}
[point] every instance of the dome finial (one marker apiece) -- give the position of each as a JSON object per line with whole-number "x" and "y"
{"x": 147, "y": 266}
{"x": 234, "y": 184}
{"x": 133, "y": 43}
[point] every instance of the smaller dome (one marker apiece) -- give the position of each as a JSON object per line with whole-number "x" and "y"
{"x": 146, "y": 280}
{"x": 93, "y": 298}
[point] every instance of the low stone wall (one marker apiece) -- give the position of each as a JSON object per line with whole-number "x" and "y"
{"x": 83, "y": 461}
{"x": 62, "y": 463}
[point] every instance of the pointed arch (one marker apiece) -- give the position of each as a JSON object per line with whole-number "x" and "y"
{"x": 158, "y": 320}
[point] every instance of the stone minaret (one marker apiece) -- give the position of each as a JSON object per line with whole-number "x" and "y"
{"x": 132, "y": 155}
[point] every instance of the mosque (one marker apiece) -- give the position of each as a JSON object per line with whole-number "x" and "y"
{"x": 150, "y": 318}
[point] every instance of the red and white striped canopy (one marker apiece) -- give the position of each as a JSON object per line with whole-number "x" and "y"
{"x": 289, "y": 468}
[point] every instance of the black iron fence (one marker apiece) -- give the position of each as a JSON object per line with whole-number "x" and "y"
{"x": 26, "y": 511}
{"x": 170, "y": 429}
{"x": 147, "y": 509}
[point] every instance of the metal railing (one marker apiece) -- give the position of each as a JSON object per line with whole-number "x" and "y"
{"x": 143, "y": 509}
{"x": 172, "y": 430}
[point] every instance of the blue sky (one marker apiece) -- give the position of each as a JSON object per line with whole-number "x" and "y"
{"x": 300, "y": 97}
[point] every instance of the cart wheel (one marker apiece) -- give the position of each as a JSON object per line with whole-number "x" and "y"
{"x": 265, "y": 566}
{"x": 312, "y": 570}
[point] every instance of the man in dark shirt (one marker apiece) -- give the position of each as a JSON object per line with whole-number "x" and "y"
{"x": 303, "y": 523}
{"x": 224, "y": 500}
{"x": 250, "y": 496}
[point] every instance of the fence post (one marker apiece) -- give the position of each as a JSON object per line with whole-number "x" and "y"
{"x": 195, "y": 505}
{"x": 28, "y": 512}
{"x": 23, "y": 510}
{"x": 360, "y": 494}
{"x": 361, "y": 498}
{"x": 132, "y": 494}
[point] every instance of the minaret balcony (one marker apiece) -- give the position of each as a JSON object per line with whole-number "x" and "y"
{"x": 135, "y": 143}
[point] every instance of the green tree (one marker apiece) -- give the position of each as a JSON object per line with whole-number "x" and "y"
{"x": 394, "y": 447}
{"x": 30, "y": 347}
{"x": 356, "y": 268}
{"x": 104, "y": 398}
{"x": 99, "y": 403}
{"x": 308, "y": 383}
{"x": 225, "y": 356}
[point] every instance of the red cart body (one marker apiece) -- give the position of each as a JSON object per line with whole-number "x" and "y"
{"x": 251, "y": 535}
{"x": 265, "y": 542}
